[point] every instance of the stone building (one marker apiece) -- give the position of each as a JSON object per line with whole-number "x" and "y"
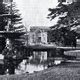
{"x": 38, "y": 36}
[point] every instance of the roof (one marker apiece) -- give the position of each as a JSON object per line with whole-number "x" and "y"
{"x": 49, "y": 47}
{"x": 33, "y": 28}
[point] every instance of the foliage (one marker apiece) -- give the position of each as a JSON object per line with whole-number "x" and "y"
{"x": 16, "y": 20}
{"x": 68, "y": 14}
{"x": 12, "y": 56}
{"x": 3, "y": 22}
{"x": 16, "y": 23}
{"x": 69, "y": 17}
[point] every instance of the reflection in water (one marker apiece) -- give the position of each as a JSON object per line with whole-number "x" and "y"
{"x": 56, "y": 62}
{"x": 37, "y": 62}
{"x": 29, "y": 68}
{"x": 34, "y": 63}
{"x": 25, "y": 67}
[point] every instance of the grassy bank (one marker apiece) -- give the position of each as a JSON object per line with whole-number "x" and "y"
{"x": 61, "y": 72}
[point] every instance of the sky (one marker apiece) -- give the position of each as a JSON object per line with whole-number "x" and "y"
{"x": 34, "y": 12}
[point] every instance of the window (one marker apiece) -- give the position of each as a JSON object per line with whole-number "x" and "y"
{"x": 33, "y": 38}
{"x": 39, "y": 39}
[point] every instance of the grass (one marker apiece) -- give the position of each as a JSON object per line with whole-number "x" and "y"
{"x": 60, "y": 72}
{"x": 65, "y": 71}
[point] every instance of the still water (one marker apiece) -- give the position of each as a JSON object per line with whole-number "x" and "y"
{"x": 31, "y": 68}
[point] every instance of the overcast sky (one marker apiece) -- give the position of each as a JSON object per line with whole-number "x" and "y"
{"x": 34, "y": 12}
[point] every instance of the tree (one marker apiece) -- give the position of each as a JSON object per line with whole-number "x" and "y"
{"x": 14, "y": 28}
{"x": 16, "y": 22}
{"x": 68, "y": 19}
{"x": 3, "y": 23}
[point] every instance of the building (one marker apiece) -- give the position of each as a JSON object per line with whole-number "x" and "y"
{"x": 38, "y": 36}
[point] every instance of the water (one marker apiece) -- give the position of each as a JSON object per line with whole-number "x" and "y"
{"x": 30, "y": 68}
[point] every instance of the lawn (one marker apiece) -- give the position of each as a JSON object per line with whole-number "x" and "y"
{"x": 59, "y": 72}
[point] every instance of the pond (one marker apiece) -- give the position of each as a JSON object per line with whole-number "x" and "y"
{"x": 33, "y": 67}
{"x": 30, "y": 68}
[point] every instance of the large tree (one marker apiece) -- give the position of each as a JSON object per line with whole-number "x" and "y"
{"x": 16, "y": 22}
{"x": 69, "y": 18}
{"x": 13, "y": 54}
{"x": 3, "y": 23}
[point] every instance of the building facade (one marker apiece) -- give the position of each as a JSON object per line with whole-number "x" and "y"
{"x": 38, "y": 35}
